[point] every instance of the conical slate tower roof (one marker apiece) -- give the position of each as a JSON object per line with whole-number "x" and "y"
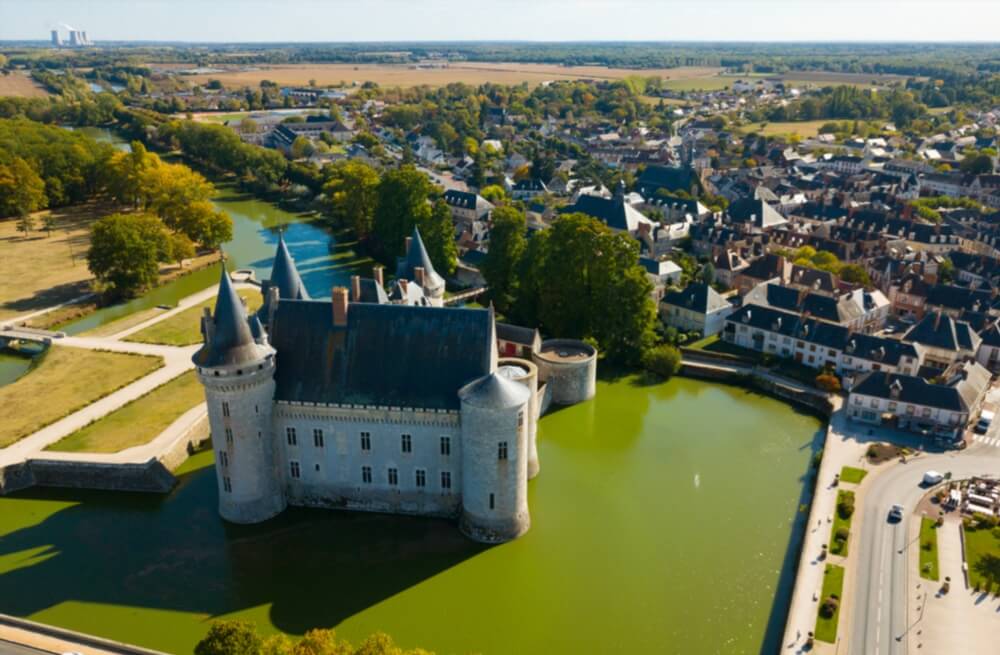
{"x": 232, "y": 341}
{"x": 417, "y": 256}
{"x": 494, "y": 391}
{"x": 285, "y": 276}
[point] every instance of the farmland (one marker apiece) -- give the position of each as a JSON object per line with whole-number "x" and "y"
{"x": 20, "y": 85}
{"x": 404, "y": 76}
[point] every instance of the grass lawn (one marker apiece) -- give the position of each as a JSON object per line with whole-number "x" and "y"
{"x": 833, "y": 584}
{"x": 982, "y": 552}
{"x": 184, "y": 328}
{"x": 66, "y": 379}
{"x": 852, "y": 475}
{"x": 114, "y": 327}
{"x": 803, "y": 129}
{"x": 707, "y": 83}
{"x": 42, "y": 270}
{"x": 138, "y": 422}
{"x": 928, "y": 550}
{"x": 838, "y": 547}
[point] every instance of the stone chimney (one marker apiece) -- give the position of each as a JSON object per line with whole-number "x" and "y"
{"x": 409, "y": 240}
{"x": 340, "y": 302}
{"x": 377, "y": 273}
{"x": 418, "y": 275}
{"x": 355, "y": 288}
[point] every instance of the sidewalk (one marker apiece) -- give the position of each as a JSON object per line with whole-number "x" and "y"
{"x": 960, "y": 621}
{"x": 842, "y": 448}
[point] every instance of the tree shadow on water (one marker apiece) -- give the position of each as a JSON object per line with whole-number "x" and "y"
{"x": 315, "y": 568}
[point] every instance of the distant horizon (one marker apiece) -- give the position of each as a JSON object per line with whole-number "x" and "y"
{"x": 515, "y": 21}
{"x": 424, "y": 42}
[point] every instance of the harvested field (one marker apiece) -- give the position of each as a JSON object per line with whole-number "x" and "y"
{"x": 20, "y": 85}
{"x": 405, "y": 75}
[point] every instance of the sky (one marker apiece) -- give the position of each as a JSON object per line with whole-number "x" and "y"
{"x": 528, "y": 20}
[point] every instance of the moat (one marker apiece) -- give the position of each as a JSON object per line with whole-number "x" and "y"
{"x": 665, "y": 519}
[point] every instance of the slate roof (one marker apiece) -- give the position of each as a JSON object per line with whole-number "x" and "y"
{"x": 795, "y": 326}
{"x": 417, "y": 256}
{"x": 939, "y": 330}
{"x": 756, "y": 212}
{"x": 670, "y": 178}
{"x": 516, "y": 333}
{"x": 372, "y": 292}
{"x": 991, "y": 336}
{"x": 698, "y": 297}
{"x": 395, "y": 355}
{"x": 828, "y": 308}
{"x": 963, "y": 298}
{"x": 613, "y": 212}
{"x": 882, "y": 350}
{"x": 466, "y": 200}
{"x": 912, "y": 390}
{"x": 495, "y": 390}
{"x": 232, "y": 340}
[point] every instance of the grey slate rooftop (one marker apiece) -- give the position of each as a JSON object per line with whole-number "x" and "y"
{"x": 232, "y": 341}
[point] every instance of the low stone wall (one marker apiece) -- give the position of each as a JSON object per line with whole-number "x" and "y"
{"x": 816, "y": 402}
{"x": 15, "y": 477}
{"x": 151, "y": 476}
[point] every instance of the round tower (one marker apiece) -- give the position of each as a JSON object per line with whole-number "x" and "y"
{"x": 494, "y": 459}
{"x": 524, "y": 372}
{"x": 236, "y": 366}
{"x": 569, "y": 368}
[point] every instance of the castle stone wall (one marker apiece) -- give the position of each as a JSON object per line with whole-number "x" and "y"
{"x": 528, "y": 378}
{"x": 570, "y": 379}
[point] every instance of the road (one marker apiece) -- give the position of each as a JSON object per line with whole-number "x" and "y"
{"x": 879, "y": 622}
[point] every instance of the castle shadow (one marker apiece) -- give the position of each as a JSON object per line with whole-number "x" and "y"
{"x": 315, "y": 568}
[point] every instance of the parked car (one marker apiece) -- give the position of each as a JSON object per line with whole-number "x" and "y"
{"x": 896, "y": 513}
{"x": 985, "y": 419}
{"x": 931, "y": 478}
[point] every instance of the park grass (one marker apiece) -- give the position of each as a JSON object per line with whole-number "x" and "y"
{"x": 64, "y": 381}
{"x": 833, "y": 584}
{"x": 928, "y": 550}
{"x": 804, "y": 129}
{"x": 124, "y": 323}
{"x": 982, "y": 553}
{"x": 706, "y": 83}
{"x": 852, "y": 475}
{"x": 138, "y": 422}
{"x": 837, "y": 547}
{"x": 184, "y": 328}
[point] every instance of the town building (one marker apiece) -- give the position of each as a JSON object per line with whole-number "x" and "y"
{"x": 696, "y": 307}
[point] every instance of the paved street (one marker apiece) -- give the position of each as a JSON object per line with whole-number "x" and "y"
{"x": 878, "y": 608}
{"x": 9, "y": 648}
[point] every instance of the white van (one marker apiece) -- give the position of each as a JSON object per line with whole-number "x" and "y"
{"x": 983, "y": 425}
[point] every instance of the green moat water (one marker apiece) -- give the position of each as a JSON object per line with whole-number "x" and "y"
{"x": 665, "y": 519}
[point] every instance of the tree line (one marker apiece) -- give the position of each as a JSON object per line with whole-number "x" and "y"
{"x": 242, "y": 638}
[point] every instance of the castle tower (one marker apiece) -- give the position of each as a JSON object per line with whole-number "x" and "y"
{"x": 416, "y": 266}
{"x": 236, "y": 366}
{"x": 285, "y": 282}
{"x": 524, "y": 372}
{"x": 494, "y": 459}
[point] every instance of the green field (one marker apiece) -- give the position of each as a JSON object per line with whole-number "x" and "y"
{"x": 804, "y": 129}
{"x": 66, "y": 380}
{"x": 928, "y": 550}
{"x": 184, "y": 328}
{"x": 833, "y": 584}
{"x": 709, "y": 83}
{"x": 982, "y": 552}
{"x": 138, "y": 422}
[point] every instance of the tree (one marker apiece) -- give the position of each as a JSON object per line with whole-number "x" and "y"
{"x": 170, "y": 189}
{"x": 302, "y": 147}
{"x": 402, "y": 194}
{"x": 125, "y": 249}
{"x": 22, "y": 191}
{"x": 663, "y": 360}
{"x": 180, "y": 248}
{"x": 230, "y": 638}
{"x": 438, "y": 234}
{"x": 248, "y": 126}
{"x": 352, "y": 194}
{"x": 127, "y": 171}
{"x": 707, "y": 274}
{"x": 977, "y": 165}
{"x": 580, "y": 279}
{"x": 507, "y": 245}
{"x": 202, "y": 223}
{"x": 855, "y": 274}
{"x": 946, "y": 271}
{"x": 494, "y": 193}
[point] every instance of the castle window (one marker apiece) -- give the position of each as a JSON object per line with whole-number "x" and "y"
{"x": 296, "y": 473}
{"x": 227, "y": 485}
{"x": 445, "y": 446}
{"x": 520, "y": 419}
{"x": 224, "y": 459}
{"x": 290, "y": 433}
{"x": 229, "y": 436}
{"x": 366, "y": 474}
{"x": 393, "y": 477}
{"x": 492, "y": 503}
{"x": 421, "y": 478}
{"x": 446, "y": 479}
{"x": 318, "y": 438}
{"x": 256, "y": 409}
{"x": 366, "y": 441}
{"x": 406, "y": 442}
{"x": 225, "y": 408}
{"x": 502, "y": 450}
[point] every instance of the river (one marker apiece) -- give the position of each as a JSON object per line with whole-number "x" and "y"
{"x": 255, "y": 237}
{"x": 665, "y": 519}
